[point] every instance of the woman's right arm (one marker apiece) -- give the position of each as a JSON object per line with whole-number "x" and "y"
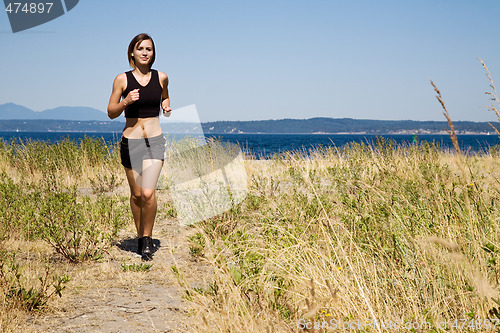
{"x": 115, "y": 106}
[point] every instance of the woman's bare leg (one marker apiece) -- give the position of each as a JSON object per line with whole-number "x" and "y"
{"x": 135, "y": 198}
{"x": 151, "y": 172}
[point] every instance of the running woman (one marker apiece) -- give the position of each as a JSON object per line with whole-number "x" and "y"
{"x": 142, "y": 93}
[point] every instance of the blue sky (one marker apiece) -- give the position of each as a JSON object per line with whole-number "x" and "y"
{"x": 253, "y": 60}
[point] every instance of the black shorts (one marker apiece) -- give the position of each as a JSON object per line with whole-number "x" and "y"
{"x": 134, "y": 151}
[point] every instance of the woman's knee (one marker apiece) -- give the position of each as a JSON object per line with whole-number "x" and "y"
{"x": 136, "y": 195}
{"x": 148, "y": 194}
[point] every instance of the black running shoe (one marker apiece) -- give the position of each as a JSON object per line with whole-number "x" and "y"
{"x": 147, "y": 246}
{"x": 140, "y": 241}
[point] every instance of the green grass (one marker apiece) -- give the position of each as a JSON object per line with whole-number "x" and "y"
{"x": 136, "y": 267}
{"x": 395, "y": 233}
{"x": 41, "y": 199}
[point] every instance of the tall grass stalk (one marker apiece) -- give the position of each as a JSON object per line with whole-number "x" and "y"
{"x": 451, "y": 131}
{"x": 493, "y": 94}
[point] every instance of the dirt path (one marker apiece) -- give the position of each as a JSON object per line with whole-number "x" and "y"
{"x": 118, "y": 301}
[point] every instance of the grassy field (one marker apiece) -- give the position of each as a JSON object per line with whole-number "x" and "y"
{"x": 394, "y": 234}
{"x": 388, "y": 234}
{"x": 57, "y": 210}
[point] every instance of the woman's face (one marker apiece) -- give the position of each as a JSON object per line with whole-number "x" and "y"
{"x": 143, "y": 52}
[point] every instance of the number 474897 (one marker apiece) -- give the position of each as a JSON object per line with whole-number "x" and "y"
{"x": 31, "y": 8}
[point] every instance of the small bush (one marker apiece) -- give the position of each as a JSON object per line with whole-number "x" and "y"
{"x": 18, "y": 290}
{"x": 79, "y": 229}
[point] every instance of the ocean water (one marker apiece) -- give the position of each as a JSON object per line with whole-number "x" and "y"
{"x": 266, "y": 145}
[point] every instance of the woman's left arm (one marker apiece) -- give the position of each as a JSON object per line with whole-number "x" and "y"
{"x": 165, "y": 100}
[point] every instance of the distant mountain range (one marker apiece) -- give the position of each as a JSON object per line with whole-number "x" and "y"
{"x": 14, "y": 111}
{"x": 18, "y": 118}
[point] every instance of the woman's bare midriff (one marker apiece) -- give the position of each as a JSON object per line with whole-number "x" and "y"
{"x": 138, "y": 128}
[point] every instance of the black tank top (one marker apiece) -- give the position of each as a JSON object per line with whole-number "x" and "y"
{"x": 149, "y": 102}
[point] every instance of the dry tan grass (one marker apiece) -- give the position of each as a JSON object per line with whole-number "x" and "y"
{"x": 384, "y": 233}
{"x": 353, "y": 279}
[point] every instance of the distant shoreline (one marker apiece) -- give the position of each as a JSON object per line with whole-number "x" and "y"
{"x": 315, "y": 126}
{"x": 261, "y": 133}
